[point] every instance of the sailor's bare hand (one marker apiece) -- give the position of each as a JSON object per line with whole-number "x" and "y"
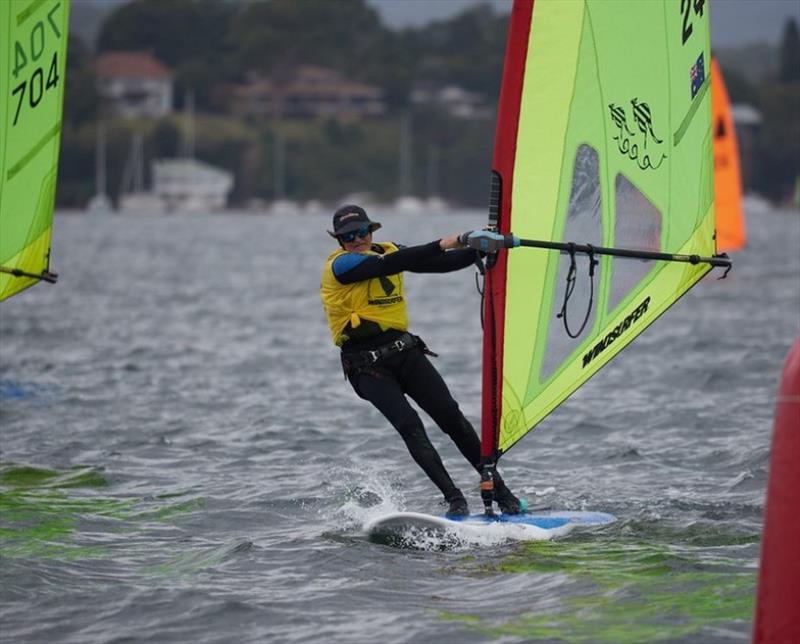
{"x": 448, "y": 243}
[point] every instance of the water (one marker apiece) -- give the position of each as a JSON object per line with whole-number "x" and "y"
{"x": 183, "y": 462}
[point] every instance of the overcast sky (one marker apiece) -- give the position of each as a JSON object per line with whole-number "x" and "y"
{"x": 733, "y": 22}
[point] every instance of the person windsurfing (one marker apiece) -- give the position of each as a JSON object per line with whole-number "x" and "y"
{"x": 364, "y": 299}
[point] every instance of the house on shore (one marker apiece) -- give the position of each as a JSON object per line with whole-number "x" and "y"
{"x": 134, "y": 84}
{"x": 306, "y": 91}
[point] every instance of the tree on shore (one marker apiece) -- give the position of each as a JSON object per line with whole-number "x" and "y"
{"x": 779, "y": 150}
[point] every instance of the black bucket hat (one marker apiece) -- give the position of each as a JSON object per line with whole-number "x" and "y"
{"x": 349, "y": 218}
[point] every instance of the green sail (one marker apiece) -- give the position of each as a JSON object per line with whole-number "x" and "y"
{"x": 604, "y": 137}
{"x": 33, "y": 46}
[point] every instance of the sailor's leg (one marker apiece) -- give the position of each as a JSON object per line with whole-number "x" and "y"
{"x": 385, "y": 393}
{"x": 428, "y": 389}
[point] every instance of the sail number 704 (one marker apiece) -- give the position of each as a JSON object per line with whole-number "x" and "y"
{"x": 34, "y": 85}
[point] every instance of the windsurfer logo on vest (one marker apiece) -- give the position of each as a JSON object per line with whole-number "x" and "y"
{"x": 634, "y": 144}
{"x": 391, "y": 291}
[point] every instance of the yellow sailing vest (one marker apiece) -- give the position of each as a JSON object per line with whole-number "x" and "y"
{"x": 379, "y": 299}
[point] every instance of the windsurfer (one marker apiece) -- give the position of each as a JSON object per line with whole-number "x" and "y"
{"x": 363, "y": 296}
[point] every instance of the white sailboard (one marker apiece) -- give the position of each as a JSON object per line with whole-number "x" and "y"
{"x": 414, "y": 529}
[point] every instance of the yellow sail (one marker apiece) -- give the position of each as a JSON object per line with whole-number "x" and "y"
{"x": 603, "y": 138}
{"x": 33, "y": 44}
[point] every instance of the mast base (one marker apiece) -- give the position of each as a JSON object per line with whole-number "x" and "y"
{"x": 487, "y": 489}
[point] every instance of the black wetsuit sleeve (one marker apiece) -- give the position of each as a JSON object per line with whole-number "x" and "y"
{"x": 452, "y": 260}
{"x": 409, "y": 258}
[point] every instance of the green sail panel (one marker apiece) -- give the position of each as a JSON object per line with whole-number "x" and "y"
{"x": 33, "y": 46}
{"x": 610, "y": 144}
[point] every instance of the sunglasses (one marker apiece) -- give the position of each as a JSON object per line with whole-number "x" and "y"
{"x": 361, "y": 232}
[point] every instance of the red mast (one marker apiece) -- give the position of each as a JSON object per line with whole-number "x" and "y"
{"x": 505, "y": 146}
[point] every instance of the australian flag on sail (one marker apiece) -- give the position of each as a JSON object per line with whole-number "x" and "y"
{"x": 697, "y": 75}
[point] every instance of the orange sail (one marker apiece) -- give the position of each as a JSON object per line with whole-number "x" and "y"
{"x": 727, "y": 175}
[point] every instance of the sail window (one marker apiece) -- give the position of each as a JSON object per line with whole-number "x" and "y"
{"x": 637, "y": 224}
{"x": 583, "y": 224}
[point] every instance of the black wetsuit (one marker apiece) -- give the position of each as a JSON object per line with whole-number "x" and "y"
{"x": 409, "y": 373}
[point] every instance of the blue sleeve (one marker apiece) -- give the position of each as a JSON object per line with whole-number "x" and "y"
{"x": 347, "y": 262}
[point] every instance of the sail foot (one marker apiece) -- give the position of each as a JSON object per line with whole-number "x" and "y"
{"x": 45, "y": 276}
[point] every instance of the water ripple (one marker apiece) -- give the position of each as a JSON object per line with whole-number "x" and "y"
{"x": 182, "y": 460}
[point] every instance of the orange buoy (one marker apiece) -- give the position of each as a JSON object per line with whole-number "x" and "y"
{"x": 778, "y": 604}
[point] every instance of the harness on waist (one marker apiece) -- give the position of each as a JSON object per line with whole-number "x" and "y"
{"x": 353, "y": 361}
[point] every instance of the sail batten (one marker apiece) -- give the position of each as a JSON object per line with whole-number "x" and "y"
{"x": 33, "y": 43}
{"x": 603, "y": 146}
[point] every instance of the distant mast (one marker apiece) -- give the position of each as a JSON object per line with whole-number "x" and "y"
{"x": 404, "y": 174}
{"x": 100, "y": 165}
{"x": 187, "y": 143}
{"x": 100, "y": 203}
